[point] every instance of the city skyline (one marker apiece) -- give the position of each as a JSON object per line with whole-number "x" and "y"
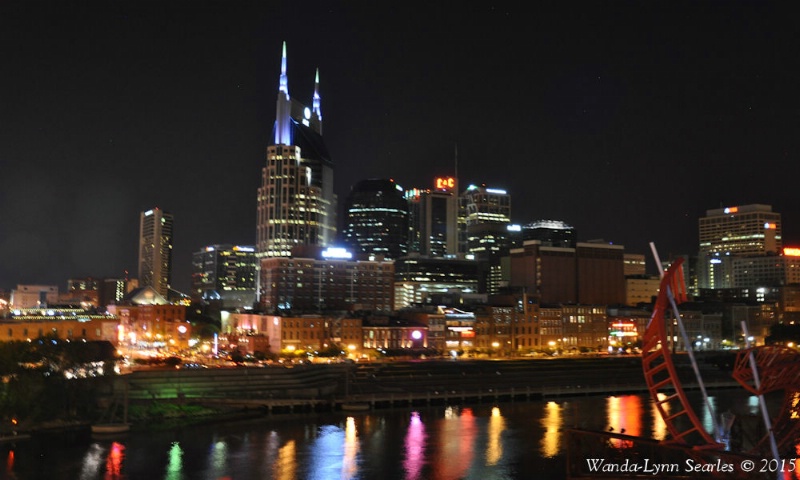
{"x": 112, "y": 109}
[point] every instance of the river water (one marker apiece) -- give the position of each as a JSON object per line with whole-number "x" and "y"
{"x": 521, "y": 440}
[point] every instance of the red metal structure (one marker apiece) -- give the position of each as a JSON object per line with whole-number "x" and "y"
{"x": 772, "y": 369}
{"x": 660, "y": 372}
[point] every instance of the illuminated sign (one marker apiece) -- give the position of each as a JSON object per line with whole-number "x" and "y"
{"x": 148, "y": 213}
{"x": 791, "y": 251}
{"x": 514, "y": 228}
{"x": 336, "y": 253}
{"x": 770, "y": 226}
{"x": 244, "y": 249}
{"x": 731, "y": 209}
{"x": 445, "y": 183}
{"x": 496, "y": 191}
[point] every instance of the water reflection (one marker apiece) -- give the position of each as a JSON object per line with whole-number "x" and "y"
{"x": 414, "y": 448}
{"x": 285, "y": 468}
{"x": 349, "y": 466}
{"x": 624, "y": 415}
{"x": 10, "y": 461}
{"x": 551, "y": 438}
{"x": 494, "y": 447}
{"x": 456, "y": 443}
{"x": 217, "y": 458}
{"x": 175, "y": 463}
{"x": 91, "y": 461}
{"x": 114, "y": 461}
{"x": 510, "y": 441}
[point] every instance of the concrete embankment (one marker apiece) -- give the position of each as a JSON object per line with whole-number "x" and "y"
{"x": 384, "y": 384}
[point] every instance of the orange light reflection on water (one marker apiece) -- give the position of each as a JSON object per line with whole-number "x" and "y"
{"x": 349, "y": 465}
{"x": 285, "y": 468}
{"x": 551, "y": 421}
{"x": 624, "y": 414}
{"x": 494, "y": 448}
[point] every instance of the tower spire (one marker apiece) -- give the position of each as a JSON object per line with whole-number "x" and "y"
{"x": 283, "y": 110}
{"x": 315, "y": 104}
{"x": 284, "y": 82}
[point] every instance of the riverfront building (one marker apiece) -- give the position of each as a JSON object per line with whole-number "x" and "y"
{"x": 148, "y": 321}
{"x": 67, "y": 323}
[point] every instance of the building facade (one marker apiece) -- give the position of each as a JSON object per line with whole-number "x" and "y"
{"x": 376, "y": 220}
{"x": 31, "y": 296}
{"x": 419, "y": 280}
{"x": 730, "y": 232}
{"x": 590, "y": 273}
{"x": 155, "y": 250}
{"x": 321, "y": 283}
{"x": 433, "y": 217}
{"x": 226, "y": 273}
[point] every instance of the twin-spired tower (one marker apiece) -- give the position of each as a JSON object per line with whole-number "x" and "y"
{"x": 296, "y": 202}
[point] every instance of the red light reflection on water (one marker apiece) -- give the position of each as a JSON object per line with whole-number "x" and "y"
{"x": 457, "y": 438}
{"x": 114, "y": 461}
{"x": 10, "y": 461}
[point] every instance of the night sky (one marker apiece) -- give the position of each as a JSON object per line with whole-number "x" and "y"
{"x": 627, "y": 120}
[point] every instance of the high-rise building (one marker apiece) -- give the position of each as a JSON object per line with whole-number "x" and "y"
{"x": 739, "y": 231}
{"x": 226, "y": 273}
{"x": 377, "y": 219}
{"x": 434, "y": 218}
{"x": 155, "y": 250}
{"x": 485, "y": 216}
{"x": 487, "y": 213}
{"x": 296, "y": 203}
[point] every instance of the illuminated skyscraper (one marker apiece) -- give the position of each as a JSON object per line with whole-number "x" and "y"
{"x": 487, "y": 213}
{"x": 377, "y": 219}
{"x": 155, "y": 250}
{"x": 226, "y": 273}
{"x": 434, "y": 219}
{"x": 739, "y": 231}
{"x": 296, "y": 203}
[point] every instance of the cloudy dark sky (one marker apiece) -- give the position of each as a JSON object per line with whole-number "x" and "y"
{"x": 627, "y": 120}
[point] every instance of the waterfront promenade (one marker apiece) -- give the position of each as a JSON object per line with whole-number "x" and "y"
{"x": 277, "y": 389}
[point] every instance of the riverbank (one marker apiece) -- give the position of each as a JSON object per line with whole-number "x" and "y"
{"x": 171, "y": 399}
